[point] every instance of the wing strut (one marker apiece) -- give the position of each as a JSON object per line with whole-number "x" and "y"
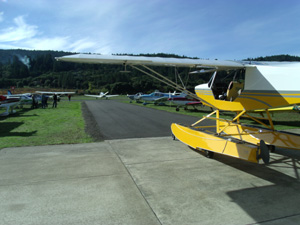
{"x": 166, "y": 81}
{"x": 177, "y": 74}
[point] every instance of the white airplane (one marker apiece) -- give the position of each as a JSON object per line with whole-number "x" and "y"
{"x": 102, "y": 95}
{"x": 236, "y": 86}
{"x": 25, "y": 98}
{"x": 9, "y": 104}
{"x": 135, "y": 97}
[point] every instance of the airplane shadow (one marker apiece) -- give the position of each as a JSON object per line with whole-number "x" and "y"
{"x": 7, "y": 127}
{"x": 19, "y": 113}
{"x": 275, "y": 195}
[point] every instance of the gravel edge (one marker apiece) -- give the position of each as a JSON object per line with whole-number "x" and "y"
{"x": 91, "y": 126}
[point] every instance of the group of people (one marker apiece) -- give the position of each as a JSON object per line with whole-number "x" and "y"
{"x": 44, "y": 101}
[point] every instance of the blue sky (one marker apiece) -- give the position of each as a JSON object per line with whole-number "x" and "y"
{"x": 209, "y": 29}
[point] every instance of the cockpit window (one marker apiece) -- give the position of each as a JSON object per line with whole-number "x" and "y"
{"x": 228, "y": 84}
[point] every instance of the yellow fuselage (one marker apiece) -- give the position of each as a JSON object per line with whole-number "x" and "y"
{"x": 265, "y": 86}
{"x": 249, "y": 100}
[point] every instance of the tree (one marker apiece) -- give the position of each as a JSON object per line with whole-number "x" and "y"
{"x": 120, "y": 88}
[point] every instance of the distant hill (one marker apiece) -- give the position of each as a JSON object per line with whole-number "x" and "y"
{"x": 278, "y": 58}
{"x": 6, "y": 56}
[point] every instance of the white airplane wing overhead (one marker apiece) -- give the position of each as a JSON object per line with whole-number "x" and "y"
{"x": 142, "y": 60}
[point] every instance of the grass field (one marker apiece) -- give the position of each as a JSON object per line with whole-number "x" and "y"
{"x": 29, "y": 127}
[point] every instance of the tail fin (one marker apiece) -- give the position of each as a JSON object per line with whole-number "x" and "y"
{"x": 8, "y": 92}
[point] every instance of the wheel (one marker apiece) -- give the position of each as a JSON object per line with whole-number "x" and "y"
{"x": 264, "y": 152}
{"x": 173, "y": 136}
{"x": 177, "y": 109}
{"x": 209, "y": 154}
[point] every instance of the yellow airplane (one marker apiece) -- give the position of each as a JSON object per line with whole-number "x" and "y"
{"x": 236, "y": 86}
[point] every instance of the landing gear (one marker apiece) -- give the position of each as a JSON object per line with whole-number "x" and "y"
{"x": 173, "y": 137}
{"x": 264, "y": 152}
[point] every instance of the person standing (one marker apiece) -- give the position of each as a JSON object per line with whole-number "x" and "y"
{"x": 43, "y": 101}
{"x": 33, "y": 101}
{"x": 54, "y": 101}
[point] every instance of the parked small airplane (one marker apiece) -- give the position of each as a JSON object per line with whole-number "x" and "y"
{"x": 185, "y": 102}
{"x": 158, "y": 97}
{"x": 25, "y": 98}
{"x": 134, "y": 97}
{"x": 102, "y": 95}
{"x": 9, "y": 104}
{"x": 236, "y": 86}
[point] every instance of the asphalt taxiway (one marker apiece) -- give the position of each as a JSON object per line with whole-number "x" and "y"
{"x": 116, "y": 120}
{"x": 151, "y": 180}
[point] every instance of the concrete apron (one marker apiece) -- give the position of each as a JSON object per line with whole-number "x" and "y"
{"x": 144, "y": 181}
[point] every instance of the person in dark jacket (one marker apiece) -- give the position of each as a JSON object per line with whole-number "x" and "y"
{"x": 54, "y": 101}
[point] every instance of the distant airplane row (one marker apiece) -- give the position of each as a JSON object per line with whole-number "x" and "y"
{"x": 10, "y": 101}
{"x": 178, "y": 99}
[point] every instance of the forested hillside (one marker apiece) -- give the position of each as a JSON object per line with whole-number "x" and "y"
{"x": 278, "y": 58}
{"x": 23, "y": 68}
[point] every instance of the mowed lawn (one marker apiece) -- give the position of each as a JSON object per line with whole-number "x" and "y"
{"x": 31, "y": 127}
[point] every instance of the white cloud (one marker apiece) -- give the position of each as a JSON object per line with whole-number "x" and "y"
{"x": 19, "y": 32}
{"x": 56, "y": 43}
{"x": 81, "y": 45}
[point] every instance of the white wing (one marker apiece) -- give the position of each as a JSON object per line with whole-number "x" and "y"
{"x": 141, "y": 60}
{"x": 55, "y": 92}
{"x": 109, "y": 96}
{"x": 101, "y": 96}
{"x": 95, "y": 96}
